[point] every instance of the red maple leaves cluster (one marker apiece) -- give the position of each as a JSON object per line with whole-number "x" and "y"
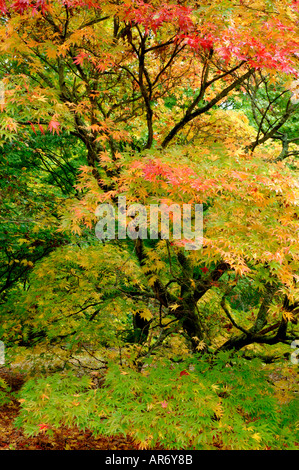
{"x": 20, "y": 6}
{"x": 183, "y": 177}
{"x": 156, "y": 171}
{"x": 227, "y": 40}
{"x": 152, "y": 19}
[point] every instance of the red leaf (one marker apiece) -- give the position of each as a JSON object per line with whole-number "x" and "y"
{"x": 32, "y": 127}
{"x": 3, "y": 8}
{"x": 164, "y": 404}
{"x": 43, "y": 426}
{"x": 204, "y": 270}
{"x": 183, "y": 372}
{"x": 79, "y": 59}
{"x": 20, "y": 5}
{"x": 54, "y": 126}
{"x": 41, "y": 129}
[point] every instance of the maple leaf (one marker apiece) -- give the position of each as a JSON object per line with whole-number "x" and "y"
{"x": 184, "y": 372}
{"x": 43, "y": 427}
{"x": 54, "y": 126}
{"x": 218, "y": 410}
{"x": 21, "y": 5}
{"x": 200, "y": 346}
{"x": 51, "y": 51}
{"x": 289, "y": 316}
{"x": 164, "y": 404}
{"x": 11, "y": 124}
{"x": 256, "y": 436}
{"x": 79, "y": 59}
{"x": 85, "y": 169}
{"x": 204, "y": 269}
{"x": 174, "y": 307}
{"x": 41, "y": 129}
{"x": 32, "y": 127}
{"x": 3, "y": 8}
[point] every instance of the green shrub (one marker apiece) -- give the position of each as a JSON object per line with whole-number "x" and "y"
{"x": 226, "y": 402}
{"x": 5, "y": 392}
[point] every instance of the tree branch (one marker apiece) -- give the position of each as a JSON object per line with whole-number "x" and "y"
{"x": 189, "y": 116}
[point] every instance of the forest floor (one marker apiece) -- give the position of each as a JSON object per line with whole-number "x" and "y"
{"x": 64, "y": 438}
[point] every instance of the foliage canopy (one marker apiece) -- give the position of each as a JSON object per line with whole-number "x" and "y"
{"x": 160, "y": 102}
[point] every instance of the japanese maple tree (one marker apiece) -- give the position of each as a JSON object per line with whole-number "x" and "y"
{"x": 144, "y": 86}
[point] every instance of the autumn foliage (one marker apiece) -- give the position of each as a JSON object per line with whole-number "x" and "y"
{"x": 160, "y": 102}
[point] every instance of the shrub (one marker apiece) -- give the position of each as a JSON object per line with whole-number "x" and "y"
{"x": 227, "y": 402}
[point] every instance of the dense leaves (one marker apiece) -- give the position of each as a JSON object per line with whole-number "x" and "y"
{"x": 212, "y": 405}
{"x": 176, "y": 103}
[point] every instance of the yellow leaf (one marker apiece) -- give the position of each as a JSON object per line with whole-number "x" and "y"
{"x": 174, "y": 307}
{"x": 51, "y": 52}
{"x": 288, "y": 315}
{"x": 152, "y": 280}
{"x": 201, "y": 345}
{"x": 142, "y": 445}
{"x": 23, "y": 240}
{"x": 218, "y": 410}
{"x": 146, "y": 314}
{"x": 215, "y": 387}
